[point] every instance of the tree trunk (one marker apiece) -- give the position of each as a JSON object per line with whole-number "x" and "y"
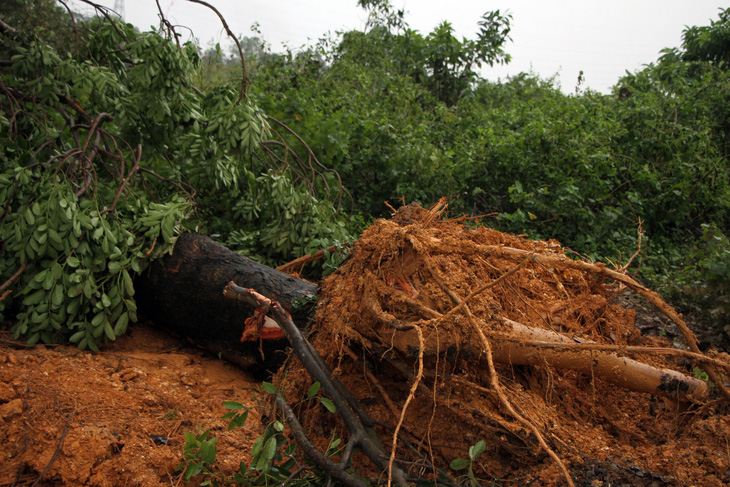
{"x": 184, "y": 293}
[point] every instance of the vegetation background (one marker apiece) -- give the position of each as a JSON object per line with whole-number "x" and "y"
{"x": 114, "y": 141}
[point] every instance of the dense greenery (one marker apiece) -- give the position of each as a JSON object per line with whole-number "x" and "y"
{"x": 584, "y": 168}
{"x": 109, "y": 151}
{"x": 117, "y": 140}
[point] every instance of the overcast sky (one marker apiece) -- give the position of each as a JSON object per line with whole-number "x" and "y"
{"x": 601, "y": 38}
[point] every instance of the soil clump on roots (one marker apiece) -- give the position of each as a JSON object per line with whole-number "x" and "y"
{"x": 456, "y": 334}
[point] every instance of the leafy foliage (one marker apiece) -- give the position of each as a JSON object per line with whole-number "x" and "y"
{"x": 109, "y": 151}
{"x": 475, "y": 451}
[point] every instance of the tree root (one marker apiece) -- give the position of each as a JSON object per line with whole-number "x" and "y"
{"x": 358, "y": 422}
{"x": 600, "y": 269}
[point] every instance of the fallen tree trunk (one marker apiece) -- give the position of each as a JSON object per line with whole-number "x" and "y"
{"x": 184, "y": 293}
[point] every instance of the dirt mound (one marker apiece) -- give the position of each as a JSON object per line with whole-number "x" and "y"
{"x": 462, "y": 334}
{"x": 88, "y": 419}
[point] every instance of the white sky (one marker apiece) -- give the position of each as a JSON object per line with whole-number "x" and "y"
{"x": 604, "y": 38}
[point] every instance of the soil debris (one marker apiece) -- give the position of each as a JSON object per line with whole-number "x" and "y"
{"x": 466, "y": 302}
{"x": 116, "y": 417}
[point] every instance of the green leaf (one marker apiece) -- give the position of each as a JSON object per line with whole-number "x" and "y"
{"x": 56, "y": 271}
{"x": 109, "y": 331}
{"x": 98, "y": 319}
{"x": 88, "y": 292}
{"x": 34, "y": 298}
{"x": 269, "y": 387}
{"x": 313, "y": 389}
{"x": 477, "y": 449}
{"x": 269, "y": 448}
{"x": 238, "y": 420}
{"x": 57, "y": 295}
{"x": 257, "y": 446}
{"x": 192, "y": 470}
{"x": 233, "y": 405}
{"x": 77, "y": 336}
{"x": 167, "y": 226}
{"x": 33, "y": 338}
{"x": 41, "y": 276}
{"x": 73, "y": 306}
{"x": 48, "y": 282}
{"x": 128, "y": 285}
{"x": 328, "y": 404}
{"x": 121, "y": 325}
{"x": 459, "y": 464}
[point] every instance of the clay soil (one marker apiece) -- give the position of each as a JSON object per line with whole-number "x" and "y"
{"x": 88, "y": 418}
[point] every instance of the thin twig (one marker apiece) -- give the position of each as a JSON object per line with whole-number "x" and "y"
{"x": 311, "y": 451}
{"x": 15, "y": 275}
{"x": 411, "y": 395}
{"x": 58, "y": 450}
{"x": 5, "y": 28}
{"x": 244, "y": 80}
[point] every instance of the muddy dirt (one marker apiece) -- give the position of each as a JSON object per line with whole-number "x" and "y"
{"x": 89, "y": 419}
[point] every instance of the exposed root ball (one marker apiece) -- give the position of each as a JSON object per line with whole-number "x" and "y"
{"x": 463, "y": 334}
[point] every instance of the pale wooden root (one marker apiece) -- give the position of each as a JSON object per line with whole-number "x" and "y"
{"x": 649, "y": 295}
{"x": 536, "y": 346}
{"x": 525, "y": 345}
{"x": 622, "y": 371}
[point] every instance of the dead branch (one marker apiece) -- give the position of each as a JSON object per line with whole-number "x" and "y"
{"x": 321, "y": 460}
{"x": 306, "y": 259}
{"x": 5, "y": 28}
{"x": 361, "y": 434}
{"x": 244, "y": 77}
{"x": 12, "y": 278}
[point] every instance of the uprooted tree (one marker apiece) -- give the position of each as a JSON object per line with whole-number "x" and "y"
{"x": 432, "y": 328}
{"x": 432, "y": 325}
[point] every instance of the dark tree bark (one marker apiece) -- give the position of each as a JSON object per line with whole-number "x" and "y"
{"x": 184, "y": 293}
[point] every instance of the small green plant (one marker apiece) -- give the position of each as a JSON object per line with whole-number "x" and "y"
{"x": 199, "y": 453}
{"x": 274, "y": 458}
{"x": 702, "y": 375}
{"x": 171, "y": 414}
{"x": 461, "y": 463}
{"x": 238, "y": 414}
